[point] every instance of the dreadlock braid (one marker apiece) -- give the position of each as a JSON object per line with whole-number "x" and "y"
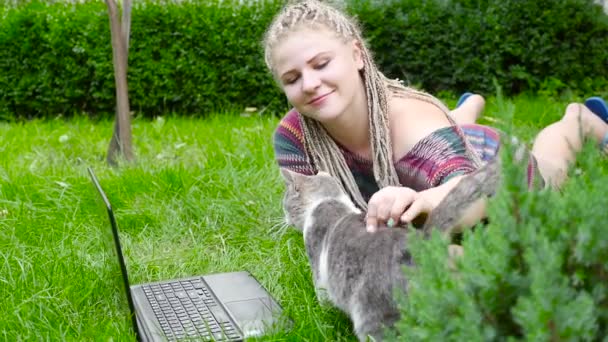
{"x": 321, "y": 148}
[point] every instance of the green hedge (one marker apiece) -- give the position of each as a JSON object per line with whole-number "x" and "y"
{"x": 462, "y": 45}
{"x": 202, "y": 56}
{"x": 188, "y": 58}
{"x": 194, "y": 58}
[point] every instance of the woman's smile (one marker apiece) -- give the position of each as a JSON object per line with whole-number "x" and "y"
{"x": 318, "y": 101}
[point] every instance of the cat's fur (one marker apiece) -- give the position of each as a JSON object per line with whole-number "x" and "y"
{"x": 357, "y": 271}
{"x": 470, "y": 193}
{"x": 474, "y": 190}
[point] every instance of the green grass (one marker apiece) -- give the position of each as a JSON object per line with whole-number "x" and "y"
{"x": 203, "y": 197}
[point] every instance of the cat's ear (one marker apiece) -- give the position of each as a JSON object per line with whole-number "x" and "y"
{"x": 287, "y": 175}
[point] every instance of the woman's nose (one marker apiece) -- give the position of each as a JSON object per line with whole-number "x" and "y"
{"x": 310, "y": 82}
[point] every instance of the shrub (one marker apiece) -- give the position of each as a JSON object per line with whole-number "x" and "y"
{"x": 48, "y": 64}
{"x": 538, "y": 271}
{"x": 462, "y": 45}
{"x": 195, "y": 57}
{"x": 186, "y": 57}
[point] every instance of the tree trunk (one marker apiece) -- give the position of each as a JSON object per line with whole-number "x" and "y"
{"x": 121, "y": 144}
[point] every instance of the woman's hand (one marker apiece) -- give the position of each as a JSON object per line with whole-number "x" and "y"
{"x": 388, "y": 205}
{"x": 393, "y": 204}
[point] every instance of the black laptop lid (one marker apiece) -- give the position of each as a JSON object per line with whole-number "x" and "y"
{"x": 115, "y": 248}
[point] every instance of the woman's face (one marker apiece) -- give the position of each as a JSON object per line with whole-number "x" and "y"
{"x": 319, "y": 73}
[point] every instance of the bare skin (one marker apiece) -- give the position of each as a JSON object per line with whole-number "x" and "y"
{"x": 556, "y": 146}
{"x": 470, "y": 110}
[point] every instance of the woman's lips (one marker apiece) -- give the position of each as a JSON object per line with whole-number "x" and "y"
{"x": 319, "y": 99}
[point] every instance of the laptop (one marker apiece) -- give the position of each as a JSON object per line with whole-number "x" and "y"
{"x": 214, "y": 307}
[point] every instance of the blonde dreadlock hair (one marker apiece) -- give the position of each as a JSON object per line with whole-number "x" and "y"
{"x": 325, "y": 154}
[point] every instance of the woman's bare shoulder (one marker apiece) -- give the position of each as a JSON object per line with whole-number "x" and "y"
{"x": 411, "y": 120}
{"x": 416, "y": 110}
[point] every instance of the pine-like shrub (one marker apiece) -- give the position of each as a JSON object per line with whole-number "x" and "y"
{"x": 537, "y": 272}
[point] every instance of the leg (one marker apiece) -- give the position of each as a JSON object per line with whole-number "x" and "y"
{"x": 469, "y": 110}
{"x": 555, "y": 146}
{"x": 373, "y": 312}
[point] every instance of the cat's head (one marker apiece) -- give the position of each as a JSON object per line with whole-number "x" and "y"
{"x": 303, "y": 192}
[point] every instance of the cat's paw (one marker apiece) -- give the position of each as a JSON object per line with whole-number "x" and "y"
{"x": 371, "y": 337}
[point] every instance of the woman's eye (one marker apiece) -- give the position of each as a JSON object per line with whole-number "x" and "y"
{"x": 291, "y": 80}
{"x": 322, "y": 65}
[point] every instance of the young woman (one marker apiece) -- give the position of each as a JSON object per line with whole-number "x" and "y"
{"x": 397, "y": 151}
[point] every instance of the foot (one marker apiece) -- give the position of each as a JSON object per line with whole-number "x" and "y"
{"x": 463, "y": 98}
{"x": 598, "y": 106}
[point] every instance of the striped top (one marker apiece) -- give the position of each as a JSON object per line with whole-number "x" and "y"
{"x": 432, "y": 161}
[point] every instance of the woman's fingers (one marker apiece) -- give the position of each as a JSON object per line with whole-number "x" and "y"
{"x": 387, "y": 205}
{"x": 372, "y": 218}
{"x": 419, "y": 206}
{"x": 400, "y": 203}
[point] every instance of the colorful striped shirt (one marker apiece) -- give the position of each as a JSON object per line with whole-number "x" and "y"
{"x": 432, "y": 161}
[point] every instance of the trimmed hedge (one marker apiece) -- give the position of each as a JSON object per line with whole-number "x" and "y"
{"x": 193, "y": 58}
{"x": 188, "y": 58}
{"x": 462, "y": 45}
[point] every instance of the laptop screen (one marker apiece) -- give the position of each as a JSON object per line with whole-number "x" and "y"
{"x": 114, "y": 249}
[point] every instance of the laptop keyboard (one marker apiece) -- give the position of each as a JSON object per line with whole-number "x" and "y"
{"x": 187, "y": 310}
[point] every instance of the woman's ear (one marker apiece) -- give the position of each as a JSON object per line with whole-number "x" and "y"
{"x": 358, "y": 53}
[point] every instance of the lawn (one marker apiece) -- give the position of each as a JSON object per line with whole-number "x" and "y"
{"x": 203, "y": 197}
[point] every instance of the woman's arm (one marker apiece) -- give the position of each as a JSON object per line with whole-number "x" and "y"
{"x": 406, "y": 205}
{"x": 437, "y": 162}
{"x": 394, "y": 204}
{"x": 466, "y": 203}
{"x": 429, "y": 199}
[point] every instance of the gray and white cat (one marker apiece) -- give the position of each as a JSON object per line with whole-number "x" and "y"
{"x": 356, "y": 271}
{"x": 359, "y": 272}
